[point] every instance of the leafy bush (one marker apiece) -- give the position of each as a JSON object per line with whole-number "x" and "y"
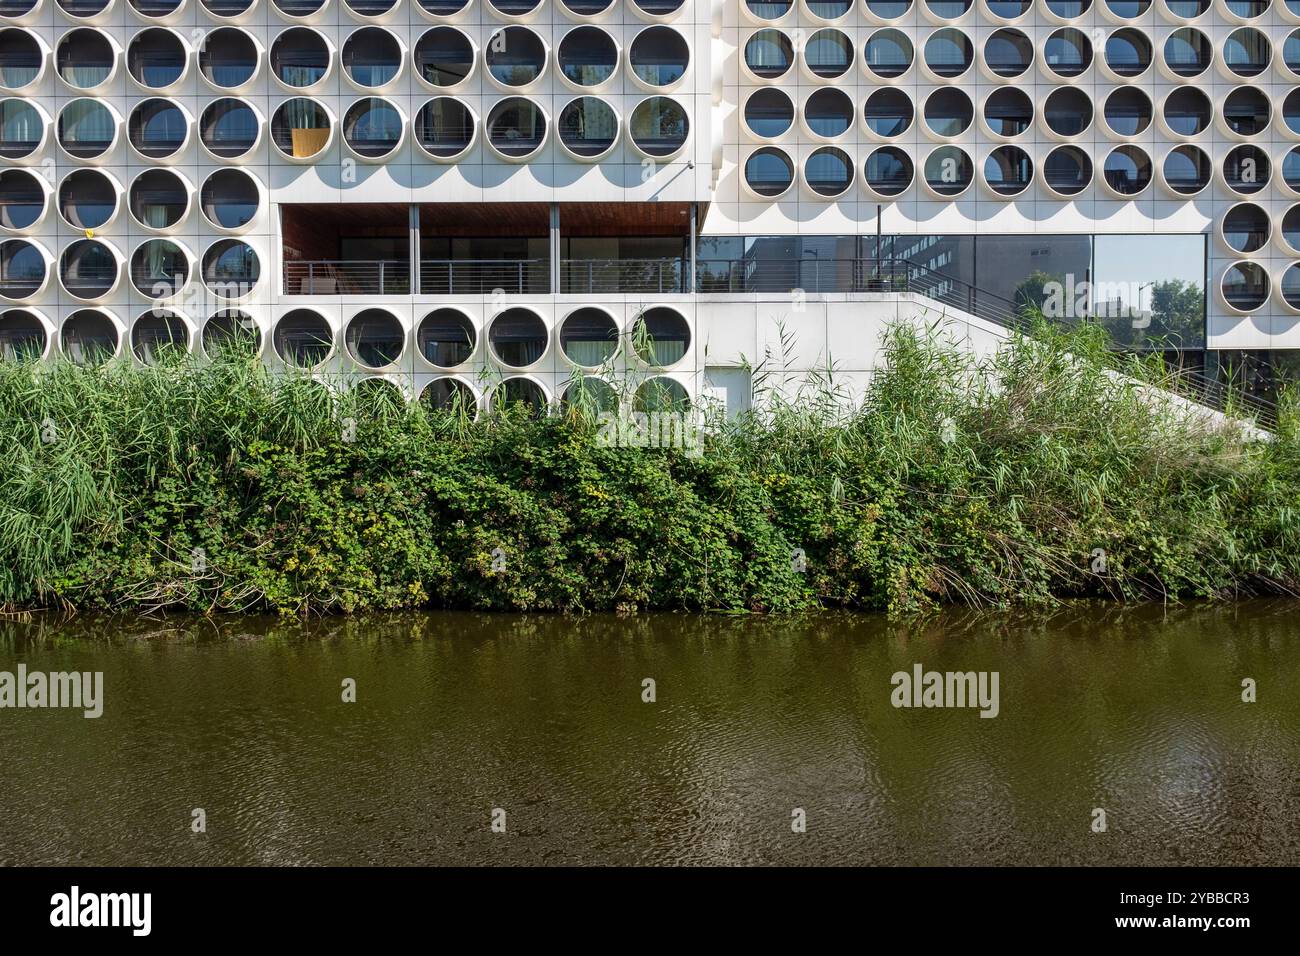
{"x": 1033, "y": 476}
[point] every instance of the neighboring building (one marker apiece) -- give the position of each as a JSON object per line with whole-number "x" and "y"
{"x": 452, "y": 193}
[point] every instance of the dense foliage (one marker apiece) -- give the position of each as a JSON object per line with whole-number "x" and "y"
{"x": 1032, "y": 476}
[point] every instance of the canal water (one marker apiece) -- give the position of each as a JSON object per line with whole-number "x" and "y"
{"x": 756, "y": 724}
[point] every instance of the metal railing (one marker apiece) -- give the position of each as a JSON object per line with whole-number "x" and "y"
{"x": 347, "y": 277}
{"x": 625, "y": 275}
{"x": 484, "y": 276}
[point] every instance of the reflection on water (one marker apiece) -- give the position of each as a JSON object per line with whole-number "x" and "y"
{"x": 1136, "y": 711}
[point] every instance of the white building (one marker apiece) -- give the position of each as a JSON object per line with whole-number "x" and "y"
{"x": 466, "y": 192}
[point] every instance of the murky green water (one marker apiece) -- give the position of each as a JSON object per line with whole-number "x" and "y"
{"x": 1138, "y": 712}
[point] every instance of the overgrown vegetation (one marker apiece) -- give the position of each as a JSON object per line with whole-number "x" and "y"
{"x": 1032, "y": 477}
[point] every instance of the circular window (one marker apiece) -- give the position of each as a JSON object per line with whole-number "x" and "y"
{"x": 1128, "y": 52}
{"x": 372, "y": 57}
{"x": 828, "y": 112}
{"x": 1067, "y": 111}
{"x": 301, "y": 128}
{"x": 769, "y": 172}
{"x": 1245, "y": 286}
{"x": 1127, "y": 170}
{"x": 87, "y": 199}
{"x": 1067, "y": 171}
{"x": 661, "y": 337}
{"x": 888, "y": 9}
{"x": 1008, "y": 111}
{"x": 1289, "y": 287}
{"x": 228, "y": 128}
{"x": 89, "y": 337}
{"x": 888, "y": 112}
{"x": 373, "y": 127}
{"x": 1291, "y": 111}
{"x": 22, "y": 336}
{"x": 1245, "y": 228}
{"x": 1246, "y": 170}
{"x": 1291, "y": 230}
{"x": 88, "y": 269}
{"x": 589, "y": 337}
{"x": 228, "y": 58}
{"x": 1187, "y": 9}
{"x": 948, "y": 112}
{"x": 442, "y": 8}
{"x": 1247, "y": 52}
{"x": 587, "y": 56}
{"x": 888, "y": 171}
{"x": 83, "y": 9}
{"x": 450, "y": 395}
{"x": 300, "y": 58}
{"x": 1187, "y": 111}
{"x": 518, "y": 337}
{"x": 586, "y": 8}
{"x": 159, "y": 334}
{"x": 87, "y": 128}
{"x": 1188, "y": 52}
{"x": 22, "y": 269}
{"x": 515, "y": 56}
{"x": 829, "y": 9}
{"x": 659, "y": 126}
{"x": 230, "y": 199}
{"x": 769, "y": 112}
{"x": 159, "y": 269}
{"x": 302, "y": 338}
{"x": 1068, "y": 52}
{"x": 1068, "y": 9}
{"x": 443, "y": 57}
{"x": 158, "y": 128}
{"x": 22, "y": 58}
{"x": 374, "y": 338}
{"x": 516, "y": 127}
{"x": 948, "y": 53}
{"x": 1291, "y": 170}
{"x": 768, "y": 54}
{"x": 1187, "y": 170}
{"x": 231, "y": 268}
{"x": 589, "y": 396}
{"x": 370, "y": 8}
{"x": 828, "y": 54}
{"x": 1127, "y": 111}
{"x": 1128, "y": 9}
{"x": 661, "y": 395}
{"x": 1291, "y": 52}
{"x": 659, "y": 56}
{"x": 828, "y": 172}
{"x": 519, "y": 395}
{"x": 769, "y": 9}
{"x": 159, "y": 199}
{"x": 507, "y": 9}
{"x": 444, "y": 127}
{"x": 948, "y": 9}
{"x": 227, "y": 9}
{"x": 588, "y": 127}
{"x": 949, "y": 171}
{"x": 85, "y": 58}
{"x": 1008, "y": 9}
{"x": 1246, "y": 111}
{"x": 1008, "y": 53}
{"x": 157, "y": 58}
{"x": 888, "y": 54}
{"x": 231, "y": 332}
{"x": 1247, "y": 9}
{"x": 446, "y": 338}
{"x": 299, "y": 9}
{"x": 22, "y": 199}
{"x": 1008, "y": 170}
{"x": 22, "y": 128}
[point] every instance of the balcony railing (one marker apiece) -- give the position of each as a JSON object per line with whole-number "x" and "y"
{"x": 347, "y": 277}
{"x": 810, "y": 275}
{"x": 625, "y": 275}
{"x": 484, "y": 276}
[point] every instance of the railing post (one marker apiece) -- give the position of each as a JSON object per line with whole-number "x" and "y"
{"x": 694, "y": 228}
{"x": 555, "y": 248}
{"x": 413, "y": 228}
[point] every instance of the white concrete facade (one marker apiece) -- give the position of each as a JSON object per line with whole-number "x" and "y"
{"x": 707, "y": 171}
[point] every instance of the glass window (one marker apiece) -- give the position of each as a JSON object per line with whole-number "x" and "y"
{"x": 1149, "y": 291}
{"x": 889, "y": 53}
